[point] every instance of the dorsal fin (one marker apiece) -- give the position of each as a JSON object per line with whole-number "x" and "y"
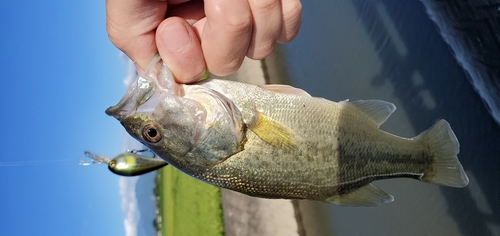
{"x": 282, "y": 88}
{"x": 376, "y": 110}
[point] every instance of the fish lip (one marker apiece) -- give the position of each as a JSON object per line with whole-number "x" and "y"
{"x": 144, "y": 85}
{"x": 124, "y": 106}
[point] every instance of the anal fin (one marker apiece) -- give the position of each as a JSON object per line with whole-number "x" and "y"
{"x": 272, "y": 132}
{"x": 367, "y": 195}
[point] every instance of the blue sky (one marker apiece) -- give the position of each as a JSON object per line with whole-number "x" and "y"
{"x": 60, "y": 73}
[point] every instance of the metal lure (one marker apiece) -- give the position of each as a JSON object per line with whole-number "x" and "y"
{"x": 129, "y": 163}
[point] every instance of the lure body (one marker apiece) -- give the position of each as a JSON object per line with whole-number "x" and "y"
{"x": 128, "y": 163}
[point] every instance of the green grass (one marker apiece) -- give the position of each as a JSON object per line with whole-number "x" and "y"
{"x": 188, "y": 206}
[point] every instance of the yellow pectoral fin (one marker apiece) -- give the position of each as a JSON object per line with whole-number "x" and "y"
{"x": 273, "y": 132}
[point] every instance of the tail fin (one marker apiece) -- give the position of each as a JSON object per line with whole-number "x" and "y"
{"x": 444, "y": 147}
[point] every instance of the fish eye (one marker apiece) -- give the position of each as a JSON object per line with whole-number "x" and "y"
{"x": 151, "y": 134}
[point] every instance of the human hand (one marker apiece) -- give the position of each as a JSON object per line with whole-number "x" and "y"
{"x": 194, "y": 35}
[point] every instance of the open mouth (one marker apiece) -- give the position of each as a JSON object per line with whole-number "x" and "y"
{"x": 138, "y": 93}
{"x": 153, "y": 83}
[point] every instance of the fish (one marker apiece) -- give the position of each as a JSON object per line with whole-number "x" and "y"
{"x": 129, "y": 163}
{"x": 277, "y": 141}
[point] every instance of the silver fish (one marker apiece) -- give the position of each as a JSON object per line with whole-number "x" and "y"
{"x": 276, "y": 141}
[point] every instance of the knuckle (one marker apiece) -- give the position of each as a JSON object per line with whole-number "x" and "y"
{"x": 292, "y": 17}
{"x": 115, "y": 34}
{"x": 292, "y": 10}
{"x": 261, "y": 51}
{"x": 238, "y": 23}
{"x": 291, "y": 31}
{"x": 226, "y": 68}
{"x": 264, "y": 4}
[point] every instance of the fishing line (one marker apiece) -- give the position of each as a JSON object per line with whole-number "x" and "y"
{"x": 94, "y": 159}
{"x": 31, "y": 163}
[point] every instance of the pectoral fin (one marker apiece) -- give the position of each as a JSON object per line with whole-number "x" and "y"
{"x": 367, "y": 195}
{"x": 272, "y": 132}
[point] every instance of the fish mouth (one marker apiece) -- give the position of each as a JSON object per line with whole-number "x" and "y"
{"x": 156, "y": 77}
{"x": 137, "y": 94}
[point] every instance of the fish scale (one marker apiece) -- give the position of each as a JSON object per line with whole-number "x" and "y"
{"x": 276, "y": 141}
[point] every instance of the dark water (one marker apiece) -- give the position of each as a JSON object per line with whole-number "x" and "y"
{"x": 393, "y": 51}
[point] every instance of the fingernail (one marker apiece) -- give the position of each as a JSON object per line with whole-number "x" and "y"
{"x": 176, "y": 38}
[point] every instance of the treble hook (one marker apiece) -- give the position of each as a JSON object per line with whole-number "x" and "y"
{"x": 135, "y": 151}
{"x": 95, "y": 159}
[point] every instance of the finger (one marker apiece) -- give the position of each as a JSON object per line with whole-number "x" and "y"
{"x": 266, "y": 27}
{"x": 180, "y": 49}
{"x": 131, "y": 27}
{"x": 191, "y": 11}
{"x": 170, "y": 2}
{"x": 225, "y": 34}
{"x": 292, "y": 17}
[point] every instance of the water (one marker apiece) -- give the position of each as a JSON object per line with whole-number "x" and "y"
{"x": 393, "y": 51}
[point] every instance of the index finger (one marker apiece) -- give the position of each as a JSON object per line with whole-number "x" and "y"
{"x": 131, "y": 27}
{"x": 225, "y": 34}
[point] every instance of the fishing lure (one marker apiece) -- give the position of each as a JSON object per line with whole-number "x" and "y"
{"x": 129, "y": 163}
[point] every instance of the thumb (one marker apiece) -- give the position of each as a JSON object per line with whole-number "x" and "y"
{"x": 180, "y": 49}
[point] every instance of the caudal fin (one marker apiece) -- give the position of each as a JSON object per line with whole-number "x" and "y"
{"x": 446, "y": 169}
